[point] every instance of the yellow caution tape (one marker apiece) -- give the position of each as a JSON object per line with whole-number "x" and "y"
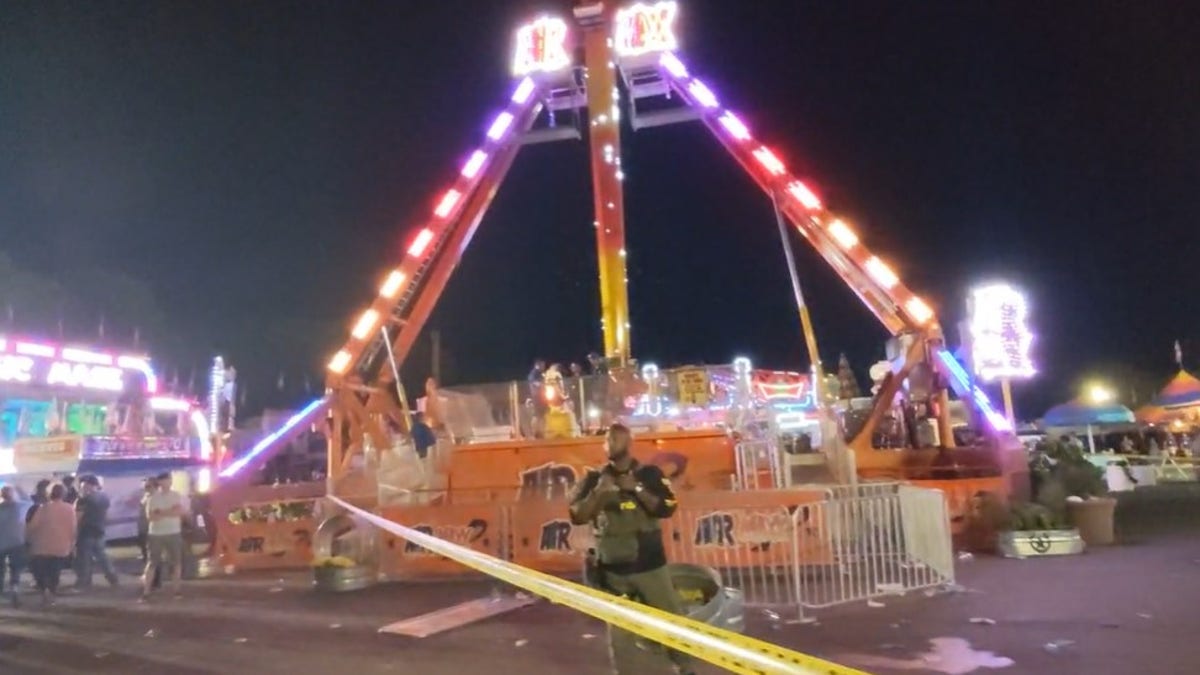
{"x": 731, "y": 651}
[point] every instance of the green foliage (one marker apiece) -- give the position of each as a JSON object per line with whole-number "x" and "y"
{"x": 1061, "y": 470}
{"x": 1058, "y": 471}
{"x": 1035, "y": 517}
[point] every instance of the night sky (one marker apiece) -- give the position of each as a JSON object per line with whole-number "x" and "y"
{"x": 258, "y": 166}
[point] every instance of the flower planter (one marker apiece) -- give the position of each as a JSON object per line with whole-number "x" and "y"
{"x": 340, "y": 579}
{"x": 1032, "y": 543}
{"x": 1094, "y": 519}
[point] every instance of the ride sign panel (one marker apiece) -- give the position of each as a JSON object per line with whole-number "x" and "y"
{"x": 24, "y": 369}
{"x": 643, "y": 29}
{"x": 56, "y": 454}
{"x": 541, "y": 47}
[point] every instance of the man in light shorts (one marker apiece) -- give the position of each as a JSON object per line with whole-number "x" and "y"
{"x": 165, "y": 510}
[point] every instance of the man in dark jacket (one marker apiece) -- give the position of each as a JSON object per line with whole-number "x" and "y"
{"x": 92, "y": 510}
{"x": 12, "y": 543}
{"x": 624, "y": 501}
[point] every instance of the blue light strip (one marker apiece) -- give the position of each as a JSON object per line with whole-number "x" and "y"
{"x": 267, "y": 442}
{"x": 963, "y": 380}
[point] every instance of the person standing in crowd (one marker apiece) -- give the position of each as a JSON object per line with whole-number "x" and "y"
{"x": 72, "y": 494}
{"x": 624, "y": 502}
{"x": 423, "y": 440}
{"x": 41, "y": 495}
{"x": 12, "y": 543}
{"x": 144, "y": 520}
{"x": 90, "y": 547}
{"x": 51, "y": 535}
{"x": 165, "y": 510}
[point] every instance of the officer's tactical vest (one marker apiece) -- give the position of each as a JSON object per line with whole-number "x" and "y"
{"x": 618, "y": 527}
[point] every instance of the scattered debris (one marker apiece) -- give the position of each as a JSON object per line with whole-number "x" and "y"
{"x": 100, "y": 655}
{"x": 771, "y": 616}
{"x": 875, "y": 604}
{"x": 588, "y": 636}
{"x": 456, "y": 616}
{"x": 521, "y": 643}
{"x": 241, "y": 640}
{"x": 1056, "y": 646}
{"x": 948, "y": 655}
{"x": 150, "y": 633}
{"x": 983, "y": 621}
{"x": 276, "y": 589}
{"x": 965, "y": 556}
{"x": 1146, "y": 616}
{"x": 890, "y": 589}
{"x": 804, "y": 620}
{"x": 335, "y": 626}
{"x": 946, "y": 589}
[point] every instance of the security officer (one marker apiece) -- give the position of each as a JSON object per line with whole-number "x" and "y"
{"x": 624, "y": 502}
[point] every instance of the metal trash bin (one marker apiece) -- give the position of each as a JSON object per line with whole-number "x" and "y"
{"x": 706, "y": 599}
{"x": 345, "y": 536}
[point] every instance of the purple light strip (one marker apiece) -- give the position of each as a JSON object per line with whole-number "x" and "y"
{"x": 264, "y": 444}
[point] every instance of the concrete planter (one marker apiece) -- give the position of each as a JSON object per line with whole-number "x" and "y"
{"x": 1033, "y": 543}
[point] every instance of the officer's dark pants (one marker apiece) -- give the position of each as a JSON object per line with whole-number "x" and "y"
{"x": 652, "y": 588}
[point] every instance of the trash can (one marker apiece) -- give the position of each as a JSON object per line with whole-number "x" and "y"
{"x": 706, "y": 599}
{"x": 344, "y": 550}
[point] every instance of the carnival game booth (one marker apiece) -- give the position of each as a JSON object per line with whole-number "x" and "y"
{"x": 71, "y": 410}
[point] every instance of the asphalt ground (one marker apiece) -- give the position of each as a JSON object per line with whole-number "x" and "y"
{"x": 1130, "y": 608}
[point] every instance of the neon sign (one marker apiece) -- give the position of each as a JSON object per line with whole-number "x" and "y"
{"x": 1000, "y": 335}
{"x": 50, "y": 366}
{"x": 541, "y": 47}
{"x": 643, "y": 28}
{"x": 82, "y": 375}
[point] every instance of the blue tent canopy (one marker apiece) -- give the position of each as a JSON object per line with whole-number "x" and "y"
{"x": 1082, "y": 414}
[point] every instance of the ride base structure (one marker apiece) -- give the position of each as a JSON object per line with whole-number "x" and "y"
{"x": 632, "y": 50}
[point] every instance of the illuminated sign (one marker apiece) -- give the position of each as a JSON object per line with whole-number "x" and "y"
{"x": 541, "y": 47}
{"x": 46, "y": 455}
{"x": 1000, "y": 335}
{"x": 642, "y": 29}
{"x": 121, "y": 447}
{"x": 54, "y": 373}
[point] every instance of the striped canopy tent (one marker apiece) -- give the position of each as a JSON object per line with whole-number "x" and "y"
{"x": 1183, "y": 391}
{"x": 1179, "y": 400}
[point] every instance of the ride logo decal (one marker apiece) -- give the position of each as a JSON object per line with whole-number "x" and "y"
{"x": 549, "y": 476}
{"x": 471, "y": 534}
{"x": 754, "y": 529}
{"x": 277, "y": 542}
{"x": 560, "y": 537}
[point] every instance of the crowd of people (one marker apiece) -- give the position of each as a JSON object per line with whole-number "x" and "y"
{"x": 63, "y": 527}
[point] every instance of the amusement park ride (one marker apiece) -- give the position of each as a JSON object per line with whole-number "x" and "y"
{"x": 630, "y": 50}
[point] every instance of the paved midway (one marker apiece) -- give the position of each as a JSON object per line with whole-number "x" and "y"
{"x": 1126, "y": 609}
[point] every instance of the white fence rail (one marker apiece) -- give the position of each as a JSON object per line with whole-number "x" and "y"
{"x": 887, "y": 542}
{"x": 853, "y": 545}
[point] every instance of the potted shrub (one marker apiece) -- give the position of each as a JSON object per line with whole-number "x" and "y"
{"x": 1035, "y": 530}
{"x": 1073, "y": 489}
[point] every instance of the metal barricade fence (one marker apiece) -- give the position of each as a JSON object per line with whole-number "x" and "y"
{"x": 881, "y": 544}
{"x": 787, "y": 550}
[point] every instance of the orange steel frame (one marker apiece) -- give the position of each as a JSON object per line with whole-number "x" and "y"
{"x": 359, "y": 383}
{"x": 604, "y": 132}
